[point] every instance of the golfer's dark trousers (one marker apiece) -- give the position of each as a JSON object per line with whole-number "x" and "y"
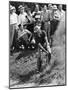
{"x": 39, "y": 61}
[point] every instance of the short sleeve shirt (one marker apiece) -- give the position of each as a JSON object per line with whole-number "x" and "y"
{"x": 22, "y": 18}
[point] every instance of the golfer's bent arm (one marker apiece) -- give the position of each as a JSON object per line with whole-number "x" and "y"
{"x": 48, "y": 46}
{"x": 40, "y": 46}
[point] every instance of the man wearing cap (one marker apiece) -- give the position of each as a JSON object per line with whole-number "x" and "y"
{"x": 55, "y": 19}
{"x": 13, "y": 25}
{"x": 61, "y": 12}
{"x": 22, "y": 18}
{"x": 42, "y": 43}
{"x": 45, "y": 18}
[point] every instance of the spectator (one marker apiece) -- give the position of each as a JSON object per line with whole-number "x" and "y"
{"x": 56, "y": 14}
{"x": 45, "y": 17}
{"x": 13, "y": 25}
{"x": 55, "y": 19}
{"x": 61, "y": 12}
{"x": 24, "y": 37}
{"x": 50, "y": 7}
{"x": 22, "y": 16}
{"x": 36, "y": 14}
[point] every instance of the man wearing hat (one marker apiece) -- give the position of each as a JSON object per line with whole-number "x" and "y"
{"x": 56, "y": 18}
{"x": 13, "y": 25}
{"x": 61, "y": 12}
{"x": 22, "y": 18}
{"x": 56, "y": 14}
{"x": 45, "y": 18}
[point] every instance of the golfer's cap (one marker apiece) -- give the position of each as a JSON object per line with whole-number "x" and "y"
{"x": 36, "y": 28}
{"x": 54, "y": 7}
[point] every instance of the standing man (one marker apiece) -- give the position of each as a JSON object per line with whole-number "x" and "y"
{"x": 22, "y": 18}
{"x": 50, "y": 7}
{"x": 36, "y": 14}
{"x": 56, "y": 18}
{"x": 61, "y": 12}
{"x": 13, "y": 25}
{"x": 45, "y": 18}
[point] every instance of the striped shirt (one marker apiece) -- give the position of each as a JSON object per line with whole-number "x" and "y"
{"x": 36, "y": 15}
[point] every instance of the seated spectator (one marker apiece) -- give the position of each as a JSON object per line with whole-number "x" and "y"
{"x": 24, "y": 37}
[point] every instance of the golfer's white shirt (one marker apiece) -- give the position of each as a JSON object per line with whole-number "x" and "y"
{"x": 13, "y": 18}
{"x": 22, "y": 18}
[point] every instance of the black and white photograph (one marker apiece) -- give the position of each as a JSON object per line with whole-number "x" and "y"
{"x": 37, "y": 44}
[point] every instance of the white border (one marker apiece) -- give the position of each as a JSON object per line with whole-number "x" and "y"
{"x": 4, "y": 43}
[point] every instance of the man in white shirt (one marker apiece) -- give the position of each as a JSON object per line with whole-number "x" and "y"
{"x": 22, "y": 18}
{"x": 56, "y": 15}
{"x": 61, "y": 12}
{"x": 13, "y": 24}
{"x": 55, "y": 19}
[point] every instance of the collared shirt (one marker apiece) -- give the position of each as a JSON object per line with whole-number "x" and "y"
{"x": 13, "y": 18}
{"x": 22, "y": 19}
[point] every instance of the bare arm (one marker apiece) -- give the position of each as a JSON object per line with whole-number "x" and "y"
{"x": 48, "y": 46}
{"x": 40, "y": 46}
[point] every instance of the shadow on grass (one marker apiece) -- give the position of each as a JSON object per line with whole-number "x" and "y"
{"x": 25, "y": 53}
